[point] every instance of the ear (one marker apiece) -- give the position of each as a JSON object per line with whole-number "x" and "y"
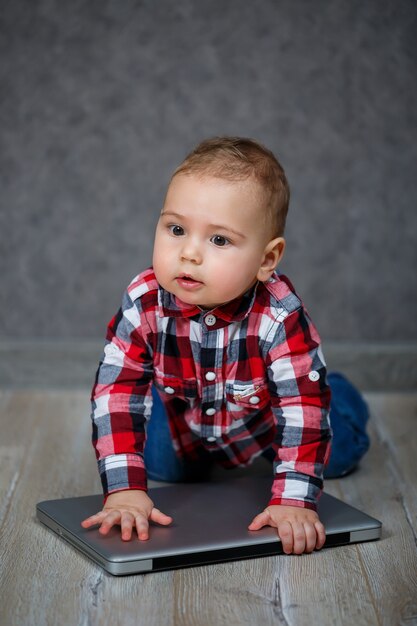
{"x": 273, "y": 253}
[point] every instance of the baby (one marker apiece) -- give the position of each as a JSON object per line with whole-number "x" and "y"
{"x": 223, "y": 340}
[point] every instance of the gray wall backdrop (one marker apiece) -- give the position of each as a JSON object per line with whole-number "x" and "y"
{"x": 100, "y": 100}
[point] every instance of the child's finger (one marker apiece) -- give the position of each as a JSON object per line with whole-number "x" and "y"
{"x": 299, "y": 536}
{"x": 286, "y": 535}
{"x": 126, "y": 522}
{"x": 321, "y": 535}
{"x": 112, "y": 518}
{"x": 160, "y": 518}
{"x": 263, "y": 519}
{"x": 142, "y": 527}
{"x": 311, "y": 536}
{"x": 93, "y": 519}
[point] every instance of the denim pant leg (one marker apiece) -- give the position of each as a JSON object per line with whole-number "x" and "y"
{"x": 161, "y": 461}
{"x": 348, "y": 417}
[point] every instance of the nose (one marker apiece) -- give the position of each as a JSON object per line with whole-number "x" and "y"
{"x": 191, "y": 252}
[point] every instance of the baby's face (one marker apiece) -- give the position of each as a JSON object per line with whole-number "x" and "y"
{"x": 210, "y": 239}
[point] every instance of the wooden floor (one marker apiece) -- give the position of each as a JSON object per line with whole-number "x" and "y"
{"x": 45, "y": 453}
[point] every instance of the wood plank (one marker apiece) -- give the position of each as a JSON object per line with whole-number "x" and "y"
{"x": 395, "y": 418}
{"x": 280, "y": 590}
{"x": 388, "y": 567}
{"x": 242, "y": 592}
{"x": 14, "y": 442}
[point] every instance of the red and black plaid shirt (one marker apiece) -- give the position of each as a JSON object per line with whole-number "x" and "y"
{"x": 235, "y": 381}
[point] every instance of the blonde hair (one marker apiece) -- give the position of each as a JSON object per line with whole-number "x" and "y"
{"x": 239, "y": 158}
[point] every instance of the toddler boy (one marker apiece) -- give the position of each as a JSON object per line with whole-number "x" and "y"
{"x": 226, "y": 343}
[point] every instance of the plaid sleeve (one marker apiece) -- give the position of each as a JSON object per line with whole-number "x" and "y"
{"x": 121, "y": 400}
{"x": 300, "y": 399}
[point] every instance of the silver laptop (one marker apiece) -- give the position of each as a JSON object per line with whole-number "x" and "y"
{"x": 210, "y": 526}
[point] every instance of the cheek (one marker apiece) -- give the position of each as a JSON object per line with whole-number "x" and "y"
{"x": 162, "y": 247}
{"x": 156, "y": 254}
{"x": 159, "y": 260}
{"x": 227, "y": 271}
{"x": 237, "y": 263}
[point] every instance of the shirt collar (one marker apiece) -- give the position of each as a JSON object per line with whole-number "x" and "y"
{"x": 234, "y": 311}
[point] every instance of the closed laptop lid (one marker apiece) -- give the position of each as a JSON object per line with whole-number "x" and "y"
{"x": 210, "y": 525}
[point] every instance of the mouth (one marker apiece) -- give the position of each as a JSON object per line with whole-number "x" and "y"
{"x": 188, "y": 282}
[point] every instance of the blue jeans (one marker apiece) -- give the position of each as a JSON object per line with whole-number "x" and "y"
{"x": 161, "y": 461}
{"x": 348, "y": 417}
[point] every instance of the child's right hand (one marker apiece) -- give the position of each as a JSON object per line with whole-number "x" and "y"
{"x": 128, "y": 509}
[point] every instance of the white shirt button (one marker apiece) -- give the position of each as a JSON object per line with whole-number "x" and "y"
{"x": 314, "y": 375}
{"x": 210, "y": 376}
{"x": 254, "y": 400}
{"x": 211, "y": 439}
{"x": 169, "y": 390}
{"x": 210, "y": 319}
{"x": 210, "y": 411}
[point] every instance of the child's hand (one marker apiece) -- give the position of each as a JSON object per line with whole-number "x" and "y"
{"x": 128, "y": 509}
{"x": 300, "y": 530}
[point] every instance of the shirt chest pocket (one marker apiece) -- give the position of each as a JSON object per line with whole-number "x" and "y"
{"x": 243, "y": 399}
{"x": 170, "y": 387}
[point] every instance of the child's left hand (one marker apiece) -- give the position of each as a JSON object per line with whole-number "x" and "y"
{"x": 300, "y": 530}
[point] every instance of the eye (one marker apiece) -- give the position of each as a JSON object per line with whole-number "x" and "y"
{"x": 219, "y": 240}
{"x": 176, "y": 230}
